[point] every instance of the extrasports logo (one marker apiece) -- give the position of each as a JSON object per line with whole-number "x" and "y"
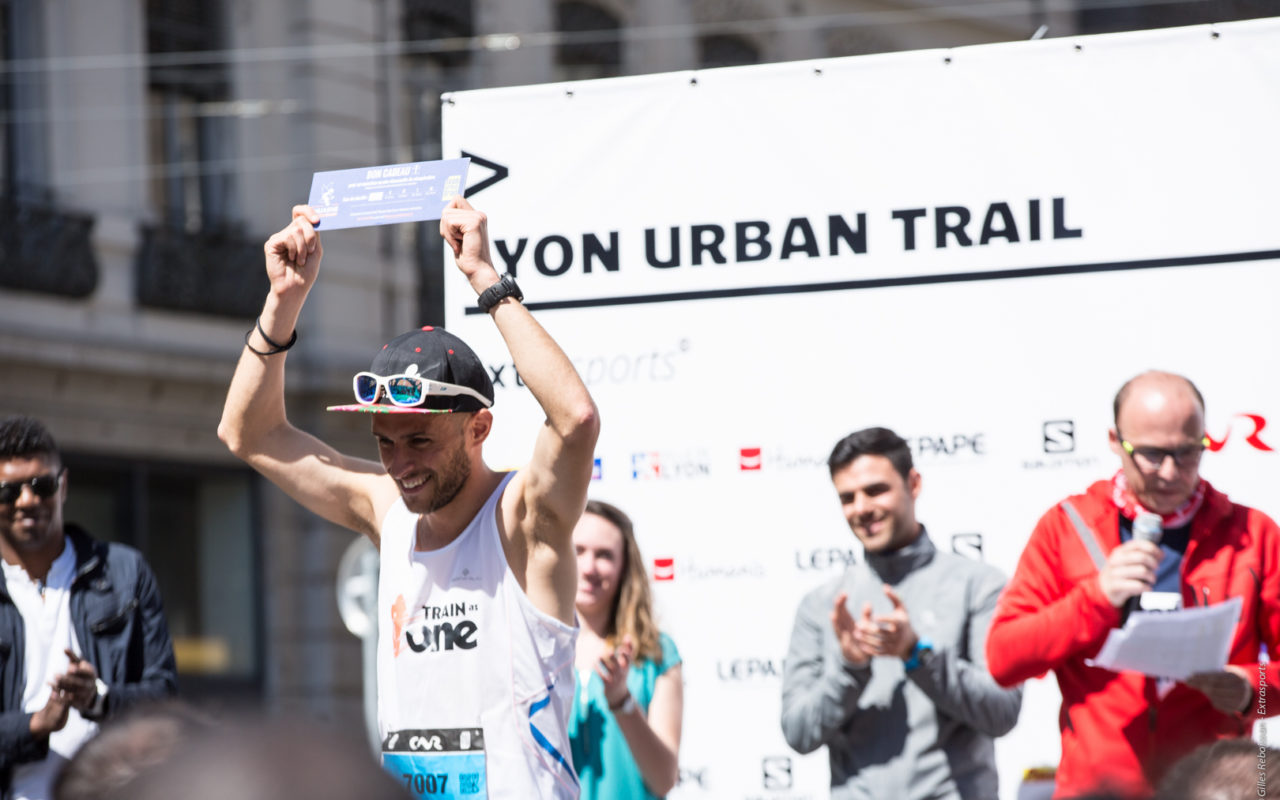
{"x": 654, "y": 465}
{"x": 656, "y": 366}
{"x": 664, "y": 569}
{"x": 597, "y": 469}
{"x": 1253, "y": 438}
{"x": 747, "y": 669}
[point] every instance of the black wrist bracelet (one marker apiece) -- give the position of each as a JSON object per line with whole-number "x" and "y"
{"x": 275, "y": 346}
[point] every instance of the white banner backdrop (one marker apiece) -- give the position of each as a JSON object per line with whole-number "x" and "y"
{"x": 975, "y": 247}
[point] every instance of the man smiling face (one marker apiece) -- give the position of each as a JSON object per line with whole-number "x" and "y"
{"x": 878, "y": 503}
{"x": 426, "y": 455}
{"x": 31, "y": 525}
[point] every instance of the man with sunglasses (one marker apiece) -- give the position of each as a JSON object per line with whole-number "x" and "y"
{"x": 477, "y": 571}
{"x": 82, "y": 630}
{"x": 1083, "y": 568}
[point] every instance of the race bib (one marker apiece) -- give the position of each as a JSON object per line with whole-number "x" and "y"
{"x": 438, "y": 763}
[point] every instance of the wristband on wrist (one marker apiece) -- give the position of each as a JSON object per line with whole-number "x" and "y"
{"x": 276, "y": 347}
{"x": 99, "y": 707}
{"x": 922, "y": 646}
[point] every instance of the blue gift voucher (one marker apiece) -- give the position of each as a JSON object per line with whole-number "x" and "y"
{"x": 353, "y": 198}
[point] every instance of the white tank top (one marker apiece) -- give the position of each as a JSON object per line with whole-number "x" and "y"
{"x": 475, "y": 685}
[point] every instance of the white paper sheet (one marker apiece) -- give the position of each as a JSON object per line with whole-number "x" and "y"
{"x": 1172, "y": 644}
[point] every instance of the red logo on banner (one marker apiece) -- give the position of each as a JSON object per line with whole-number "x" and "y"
{"x": 664, "y": 569}
{"x": 749, "y": 459}
{"x": 1253, "y": 439}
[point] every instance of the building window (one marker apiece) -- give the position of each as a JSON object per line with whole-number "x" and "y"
{"x": 1109, "y": 18}
{"x": 196, "y": 527}
{"x": 591, "y": 46}
{"x": 436, "y": 30}
{"x": 189, "y": 131}
{"x": 8, "y": 154}
{"x": 198, "y": 257}
{"x": 23, "y": 134}
{"x": 43, "y": 247}
{"x": 726, "y": 51}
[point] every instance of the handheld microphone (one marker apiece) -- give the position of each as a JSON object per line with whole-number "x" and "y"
{"x": 1147, "y": 527}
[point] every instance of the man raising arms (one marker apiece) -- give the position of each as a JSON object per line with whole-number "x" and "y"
{"x": 478, "y": 575}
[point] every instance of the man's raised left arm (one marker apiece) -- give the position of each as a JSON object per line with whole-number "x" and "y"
{"x": 551, "y": 491}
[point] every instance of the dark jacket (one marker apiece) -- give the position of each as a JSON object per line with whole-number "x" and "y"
{"x": 119, "y": 623}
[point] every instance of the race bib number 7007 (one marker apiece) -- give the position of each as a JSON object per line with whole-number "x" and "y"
{"x": 438, "y": 763}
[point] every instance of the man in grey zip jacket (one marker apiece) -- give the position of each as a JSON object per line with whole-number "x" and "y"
{"x": 886, "y": 665}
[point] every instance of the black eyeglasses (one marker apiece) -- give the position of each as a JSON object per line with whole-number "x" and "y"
{"x": 1152, "y": 458}
{"x": 42, "y": 485}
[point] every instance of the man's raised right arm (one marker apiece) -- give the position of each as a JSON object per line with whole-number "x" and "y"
{"x": 1038, "y": 624}
{"x": 348, "y": 491}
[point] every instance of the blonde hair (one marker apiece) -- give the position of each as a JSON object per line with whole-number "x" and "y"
{"x": 632, "y": 613}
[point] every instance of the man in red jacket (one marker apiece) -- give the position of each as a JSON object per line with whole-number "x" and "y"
{"x": 1121, "y": 731}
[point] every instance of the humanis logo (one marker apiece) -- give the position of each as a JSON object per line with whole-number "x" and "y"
{"x": 655, "y": 465}
{"x": 1250, "y": 433}
{"x": 664, "y": 569}
{"x": 754, "y": 459}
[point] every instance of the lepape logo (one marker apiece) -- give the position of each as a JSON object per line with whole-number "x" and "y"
{"x": 749, "y": 459}
{"x": 825, "y": 558}
{"x": 746, "y": 669}
{"x": 1253, "y": 437}
{"x": 947, "y": 445}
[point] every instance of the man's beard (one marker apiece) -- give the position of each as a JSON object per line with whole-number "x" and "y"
{"x": 449, "y": 482}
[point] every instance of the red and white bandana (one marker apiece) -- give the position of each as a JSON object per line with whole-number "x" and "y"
{"x": 1130, "y": 507}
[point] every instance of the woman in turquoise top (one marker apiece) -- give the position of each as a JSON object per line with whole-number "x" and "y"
{"x": 629, "y": 700}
